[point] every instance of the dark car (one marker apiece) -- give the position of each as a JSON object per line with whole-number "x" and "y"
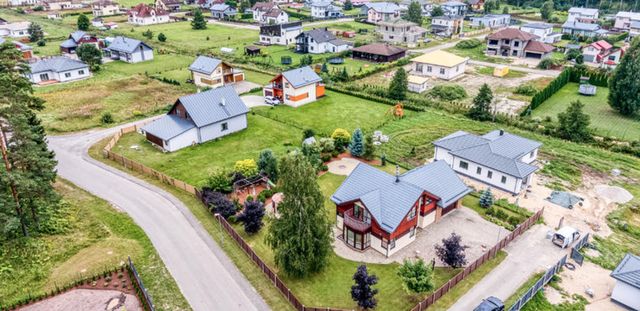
{"x": 490, "y": 304}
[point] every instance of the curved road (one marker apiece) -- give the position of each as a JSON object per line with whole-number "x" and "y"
{"x": 205, "y": 275}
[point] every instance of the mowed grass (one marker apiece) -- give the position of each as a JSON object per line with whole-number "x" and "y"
{"x": 97, "y": 237}
{"x": 604, "y": 120}
{"x": 53, "y": 29}
{"x": 477, "y": 53}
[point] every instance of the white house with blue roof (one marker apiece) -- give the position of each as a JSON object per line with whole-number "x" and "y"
{"x": 627, "y": 275}
{"x": 381, "y": 211}
{"x": 296, "y": 87}
{"x": 212, "y": 72}
{"x": 128, "y": 50}
{"x": 498, "y": 159}
{"x": 58, "y": 69}
{"x": 198, "y": 118}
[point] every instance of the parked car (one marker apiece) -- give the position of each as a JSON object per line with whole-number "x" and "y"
{"x": 271, "y": 100}
{"x": 490, "y": 304}
{"x": 565, "y": 236}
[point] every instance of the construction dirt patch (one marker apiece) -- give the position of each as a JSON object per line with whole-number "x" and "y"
{"x": 88, "y": 299}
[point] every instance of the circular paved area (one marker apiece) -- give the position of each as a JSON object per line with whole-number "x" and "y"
{"x": 343, "y": 166}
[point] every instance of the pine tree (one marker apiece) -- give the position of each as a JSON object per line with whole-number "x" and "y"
{"x": 268, "y": 164}
{"x": 416, "y": 276}
{"x": 162, "y": 37}
{"x": 486, "y": 199}
{"x": 251, "y": 216}
{"x": 624, "y": 89}
{"x": 546, "y": 11}
{"x": 369, "y": 148}
{"x": 356, "y": 146}
{"x": 83, "y": 22}
{"x": 301, "y": 237}
{"x": 348, "y": 5}
{"x": 451, "y": 252}
{"x": 91, "y": 55}
{"x": 399, "y": 84}
{"x": 198, "y": 22}
{"x": 362, "y": 292}
{"x": 481, "y": 109}
{"x": 414, "y": 13}
{"x": 35, "y": 32}
{"x": 573, "y": 124}
{"x": 437, "y": 11}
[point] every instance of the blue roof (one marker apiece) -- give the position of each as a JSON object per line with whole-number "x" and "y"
{"x": 213, "y": 105}
{"x": 628, "y": 270}
{"x": 389, "y": 200}
{"x": 302, "y": 76}
{"x": 538, "y": 25}
{"x": 57, "y": 64}
{"x": 205, "y": 64}
{"x": 69, "y": 43}
{"x": 77, "y": 35}
{"x": 168, "y": 126}
{"x": 125, "y": 44}
{"x": 221, "y": 7}
{"x": 383, "y": 7}
{"x": 581, "y": 26}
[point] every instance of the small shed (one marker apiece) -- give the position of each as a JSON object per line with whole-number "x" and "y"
{"x": 417, "y": 84}
{"x": 627, "y": 275}
{"x": 252, "y": 50}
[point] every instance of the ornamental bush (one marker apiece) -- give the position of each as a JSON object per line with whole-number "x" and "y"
{"x": 468, "y": 44}
{"x": 247, "y": 167}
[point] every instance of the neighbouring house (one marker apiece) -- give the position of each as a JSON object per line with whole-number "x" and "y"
{"x": 377, "y": 210}
{"x": 222, "y": 11}
{"x": 212, "y": 72}
{"x": 15, "y": 30}
{"x": 491, "y": 21}
{"x": 602, "y": 53}
{"x": 143, "y": 14}
{"x": 516, "y": 43}
{"x": 439, "y": 64}
{"x": 583, "y": 15}
{"x": 76, "y": 39}
{"x": 261, "y": 8}
{"x": 634, "y": 30}
{"x": 543, "y": 31}
{"x": 454, "y": 8}
{"x": 320, "y": 40}
{"x": 280, "y": 34}
{"x": 624, "y": 20}
{"x": 378, "y": 52}
{"x": 97, "y": 22}
{"x": 24, "y": 2}
{"x": 324, "y": 9}
{"x": 59, "y": 5}
{"x": 58, "y": 69}
{"x": 417, "y": 84}
{"x": 497, "y": 159}
{"x": 168, "y": 5}
{"x": 105, "y": 8}
{"x": 380, "y": 11}
{"x": 400, "y": 31}
{"x": 425, "y": 6}
{"x": 582, "y": 29}
{"x": 447, "y": 26}
{"x": 627, "y": 276}
{"x": 25, "y": 50}
{"x": 198, "y": 118}
{"x": 296, "y": 87}
{"x": 54, "y": 15}
{"x": 476, "y": 5}
{"x": 128, "y": 50}
{"x": 275, "y": 16}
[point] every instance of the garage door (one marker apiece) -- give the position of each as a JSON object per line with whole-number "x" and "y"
{"x": 533, "y": 55}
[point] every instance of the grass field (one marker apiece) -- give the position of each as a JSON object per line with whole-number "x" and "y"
{"x": 477, "y": 53}
{"x": 53, "y": 29}
{"x": 604, "y": 120}
{"x": 97, "y": 237}
{"x": 488, "y": 71}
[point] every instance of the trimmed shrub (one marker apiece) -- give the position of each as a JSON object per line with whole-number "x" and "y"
{"x": 448, "y": 92}
{"x": 468, "y": 44}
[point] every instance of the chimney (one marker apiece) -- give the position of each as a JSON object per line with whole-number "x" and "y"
{"x": 223, "y": 102}
{"x": 397, "y": 173}
{"x": 501, "y": 132}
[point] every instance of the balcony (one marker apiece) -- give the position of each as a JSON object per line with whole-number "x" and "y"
{"x": 355, "y": 222}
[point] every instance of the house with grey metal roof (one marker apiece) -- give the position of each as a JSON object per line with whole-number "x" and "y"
{"x": 222, "y": 11}
{"x": 296, "y": 87}
{"x": 58, "y": 69}
{"x": 627, "y": 275}
{"x": 198, "y": 118}
{"x": 576, "y": 28}
{"x": 380, "y": 11}
{"x": 211, "y": 72}
{"x": 582, "y": 15}
{"x": 497, "y": 159}
{"x": 319, "y": 41}
{"x": 76, "y": 39}
{"x": 378, "y": 210}
{"x": 128, "y": 50}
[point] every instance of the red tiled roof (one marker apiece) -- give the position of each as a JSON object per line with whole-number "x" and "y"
{"x": 263, "y": 6}
{"x": 275, "y": 12}
{"x": 510, "y": 34}
{"x": 143, "y": 10}
{"x": 537, "y": 46}
{"x": 602, "y": 45}
{"x": 380, "y": 49}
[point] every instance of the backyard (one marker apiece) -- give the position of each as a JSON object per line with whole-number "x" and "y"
{"x": 477, "y": 53}
{"x": 604, "y": 119}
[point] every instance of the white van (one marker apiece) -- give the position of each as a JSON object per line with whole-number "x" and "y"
{"x": 565, "y": 236}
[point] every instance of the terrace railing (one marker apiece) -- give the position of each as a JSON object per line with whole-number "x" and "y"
{"x": 354, "y": 222}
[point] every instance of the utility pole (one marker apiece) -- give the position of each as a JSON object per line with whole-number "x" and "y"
{"x": 14, "y": 191}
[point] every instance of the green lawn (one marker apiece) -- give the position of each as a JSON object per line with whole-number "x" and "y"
{"x": 604, "y": 120}
{"x": 159, "y": 64}
{"x": 477, "y": 53}
{"x": 488, "y": 71}
{"x": 97, "y": 237}
{"x": 54, "y": 29}
{"x": 51, "y": 48}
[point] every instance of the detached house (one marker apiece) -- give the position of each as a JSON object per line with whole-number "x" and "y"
{"x": 381, "y": 211}
{"x": 15, "y": 30}
{"x": 318, "y": 41}
{"x": 454, "y": 8}
{"x": 576, "y": 28}
{"x": 269, "y": 13}
{"x": 58, "y": 69}
{"x": 400, "y": 31}
{"x": 498, "y": 159}
{"x": 128, "y": 50}
{"x": 602, "y": 53}
{"x": 627, "y": 276}
{"x": 447, "y": 26}
{"x": 212, "y": 72}
{"x": 476, "y": 5}
{"x": 439, "y": 64}
{"x": 280, "y": 34}
{"x": 625, "y": 19}
{"x": 379, "y": 52}
{"x": 381, "y": 11}
{"x": 222, "y": 11}
{"x": 324, "y": 9}
{"x": 296, "y": 87}
{"x": 543, "y": 31}
{"x": 516, "y": 43}
{"x": 104, "y": 8}
{"x": 491, "y": 21}
{"x": 25, "y": 50}
{"x": 143, "y": 14}
{"x": 76, "y": 39}
{"x": 198, "y": 118}
{"x": 168, "y": 5}
{"x": 583, "y": 15}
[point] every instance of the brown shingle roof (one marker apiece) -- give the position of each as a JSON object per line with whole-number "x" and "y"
{"x": 537, "y": 46}
{"x": 143, "y": 10}
{"x": 263, "y": 6}
{"x": 510, "y": 34}
{"x": 380, "y": 49}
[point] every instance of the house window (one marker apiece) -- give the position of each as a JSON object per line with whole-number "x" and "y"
{"x": 516, "y": 43}
{"x": 458, "y": 68}
{"x": 419, "y": 67}
{"x": 489, "y": 174}
{"x": 493, "y": 42}
{"x": 224, "y": 126}
{"x": 532, "y": 154}
{"x": 479, "y": 170}
{"x": 67, "y": 75}
{"x": 392, "y": 244}
{"x": 412, "y": 232}
{"x": 503, "y": 179}
{"x": 441, "y": 71}
{"x": 383, "y": 243}
{"x": 463, "y": 165}
{"x": 429, "y": 68}
{"x": 412, "y": 213}
{"x": 80, "y": 72}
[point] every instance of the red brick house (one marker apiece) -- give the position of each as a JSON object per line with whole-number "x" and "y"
{"x": 382, "y": 211}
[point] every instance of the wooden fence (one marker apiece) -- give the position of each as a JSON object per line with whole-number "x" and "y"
{"x": 431, "y": 299}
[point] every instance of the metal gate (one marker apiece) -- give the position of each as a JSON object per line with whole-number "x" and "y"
{"x": 576, "y": 256}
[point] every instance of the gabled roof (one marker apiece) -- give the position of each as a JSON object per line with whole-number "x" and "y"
{"x": 453, "y": 3}
{"x": 19, "y": 45}
{"x": 537, "y": 46}
{"x": 628, "y": 270}
{"x": 144, "y": 10}
{"x": 383, "y": 7}
{"x": 440, "y": 58}
{"x": 537, "y": 25}
{"x": 168, "y": 126}
{"x": 585, "y": 11}
{"x": 321, "y": 3}
{"x": 601, "y": 45}
{"x": 380, "y": 49}
{"x": 263, "y": 6}
{"x": 302, "y": 76}
{"x": 511, "y": 34}
{"x": 581, "y": 26}
{"x": 57, "y": 64}
{"x": 213, "y": 106}
{"x": 125, "y": 44}
{"x": 630, "y": 15}
{"x": 220, "y": 7}
{"x": 497, "y": 149}
{"x": 77, "y": 35}
{"x": 69, "y": 43}
{"x": 319, "y": 35}
{"x": 490, "y": 16}
{"x": 103, "y": 3}
{"x": 277, "y": 29}
{"x": 398, "y": 22}
{"x": 205, "y": 64}
{"x": 275, "y": 12}
{"x": 16, "y": 26}
{"x": 389, "y": 199}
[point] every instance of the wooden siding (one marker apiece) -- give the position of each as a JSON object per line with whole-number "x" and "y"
{"x": 154, "y": 139}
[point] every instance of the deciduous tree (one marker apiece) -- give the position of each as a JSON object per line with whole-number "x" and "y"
{"x": 83, "y": 22}
{"x": 35, "y": 32}
{"x": 162, "y": 37}
{"x": 416, "y": 276}
{"x": 574, "y": 123}
{"x": 437, "y": 11}
{"x": 546, "y": 11}
{"x": 624, "y": 88}
{"x": 362, "y": 292}
{"x": 218, "y": 203}
{"x": 91, "y": 55}
{"x": 348, "y": 5}
{"x": 398, "y": 86}
{"x": 414, "y": 13}
{"x": 451, "y": 252}
{"x": 268, "y": 164}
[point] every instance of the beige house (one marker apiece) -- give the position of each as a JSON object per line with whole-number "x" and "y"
{"x": 439, "y": 64}
{"x": 104, "y": 8}
{"x": 400, "y": 31}
{"x": 212, "y": 72}
{"x": 417, "y": 84}
{"x": 296, "y": 87}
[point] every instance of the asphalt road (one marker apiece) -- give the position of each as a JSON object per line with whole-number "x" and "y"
{"x": 205, "y": 275}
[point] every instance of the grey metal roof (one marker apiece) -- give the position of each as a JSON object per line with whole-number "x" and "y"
{"x": 77, "y": 35}
{"x": 69, "y": 43}
{"x": 125, "y": 44}
{"x": 220, "y": 7}
{"x": 538, "y": 25}
{"x": 383, "y": 7}
{"x": 205, "y": 64}
{"x": 497, "y": 149}
{"x": 453, "y": 3}
{"x": 628, "y": 270}
{"x": 319, "y": 35}
{"x": 57, "y": 64}
{"x": 301, "y": 76}
{"x": 213, "y": 105}
{"x": 583, "y": 10}
{"x": 20, "y": 45}
{"x": 389, "y": 200}
{"x": 581, "y": 26}
{"x": 168, "y": 126}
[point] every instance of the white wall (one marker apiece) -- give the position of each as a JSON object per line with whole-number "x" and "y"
{"x": 137, "y": 55}
{"x": 542, "y": 33}
{"x": 149, "y": 20}
{"x": 76, "y": 74}
{"x": 377, "y": 245}
{"x": 216, "y": 75}
{"x": 402, "y": 242}
{"x": 427, "y": 219}
{"x": 339, "y": 221}
{"x": 183, "y": 140}
{"x": 288, "y": 37}
{"x": 449, "y": 72}
{"x": 214, "y": 130}
{"x": 529, "y": 157}
{"x": 290, "y": 91}
{"x": 495, "y": 180}
{"x": 443, "y": 154}
{"x": 627, "y": 295}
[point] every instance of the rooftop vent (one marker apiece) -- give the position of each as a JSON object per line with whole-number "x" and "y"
{"x": 223, "y": 102}
{"x": 397, "y": 173}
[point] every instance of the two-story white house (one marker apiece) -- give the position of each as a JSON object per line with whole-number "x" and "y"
{"x": 280, "y": 34}
{"x": 498, "y": 159}
{"x": 543, "y": 31}
{"x": 128, "y": 50}
{"x": 102, "y": 8}
{"x": 380, "y": 11}
{"x": 454, "y": 8}
{"x": 296, "y": 87}
{"x": 439, "y": 64}
{"x": 143, "y": 14}
{"x": 625, "y": 19}
{"x": 324, "y": 9}
{"x": 583, "y": 15}
{"x": 211, "y": 72}
{"x": 400, "y": 31}
{"x": 319, "y": 41}
{"x": 269, "y": 13}
{"x": 58, "y": 69}
{"x": 447, "y": 26}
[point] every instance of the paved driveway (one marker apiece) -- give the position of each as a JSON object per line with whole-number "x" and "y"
{"x": 203, "y": 272}
{"x": 253, "y": 100}
{"x": 244, "y": 86}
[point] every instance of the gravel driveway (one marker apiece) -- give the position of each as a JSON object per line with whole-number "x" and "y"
{"x": 88, "y": 299}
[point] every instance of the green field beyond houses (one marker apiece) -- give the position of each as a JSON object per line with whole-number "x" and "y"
{"x": 604, "y": 120}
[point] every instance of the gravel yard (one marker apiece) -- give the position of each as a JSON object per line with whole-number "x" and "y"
{"x": 88, "y": 299}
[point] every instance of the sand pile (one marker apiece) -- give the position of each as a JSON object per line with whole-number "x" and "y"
{"x": 613, "y": 194}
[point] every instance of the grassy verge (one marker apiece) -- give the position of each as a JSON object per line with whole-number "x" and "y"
{"x": 488, "y": 71}
{"x": 501, "y": 213}
{"x": 523, "y": 289}
{"x": 97, "y": 237}
{"x": 540, "y": 303}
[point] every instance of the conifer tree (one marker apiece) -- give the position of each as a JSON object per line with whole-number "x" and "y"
{"x": 356, "y": 146}
{"x": 398, "y": 86}
{"x": 198, "y": 22}
{"x": 481, "y": 109}
{"x": 486, "y": 199}
{"x": 624, "y": 89}
{"x": 574, "y": 123}
{"x": 35, "y": 32}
